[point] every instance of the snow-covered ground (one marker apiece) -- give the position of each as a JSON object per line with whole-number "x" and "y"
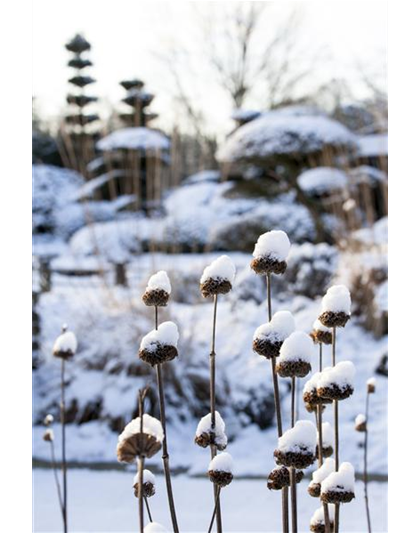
{"x": 102, "y": 501}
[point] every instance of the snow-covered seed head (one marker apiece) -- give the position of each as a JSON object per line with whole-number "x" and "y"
{"x": 317, "y": 523}
{"x": 336, "y": 307}
{"x": 295, "y": 356}
{"x": 133, "y": 444}
{"x": 65, "y": 345}
{"x": 220, "y": 469}
{"x": 158, "y": 290}
{"x": 337, "y": 383}
{"x": 360, "y": 423}
{"x": 149, "y": 484}
{"x": 270, "y": 253}
{"x": 269, "y": 337}
{"x": 338, "y": 487}
{"x": 218, "y": 277}
{"x": 320, "y": 333}
{"x": 160, "y": 345}
{"x": 371, "y": 385}
{"x": 205, "y": 435}
{"x": 310, "y": 395}
{"x": 296, "y": 447}
{"x": 154, "y": 527}
{"x": 48, "y": 435}
{"x": 48, "y": 420}
{"x": 279, "y": 478}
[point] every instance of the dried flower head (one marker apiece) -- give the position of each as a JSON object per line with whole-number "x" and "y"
{"x": 220, "y": 469}
{"x": 65, "y": 345}
{"x": 296, "y": 447}
{"x": 279, "y": 478}
{"x": 338, "y": 487}
{"x": 337, "y": 383}
{"x": 295, "y": 356}
{"x": 48, "y": 435}
{"x": 160, "y": 345}
{"x": 371, "y": 385}
{"x": 270, "y": 253}
{"x": 205, "y": 435}
{"x": 269, "y": 338}
{"x": 321, "y": 334}
{"x": 132, "y": 443}
{"x": 310, "y": 395}
{"x": 149, "y": 484}
{"x": 158, "y": 290}
{"x": 48, "y": 420}
{"x": 360, "y": 423}
{"x": 336, "y": 306}
{"x": 317, "y": 523}
{"x": 218, "y": 277}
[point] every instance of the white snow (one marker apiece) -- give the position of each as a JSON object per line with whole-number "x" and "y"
{"x": 50, "y": 433}
{"x": 322, "y": 180}
{"x": 221, "y": 268}
{"x": 323, "y": 471}
{"x": 319, "y": 517}
{"x": 281, "y": 325}
{"x": 202, "y": 176}
{"x": 360, "y": 419}
{"x": 297, "y": 347}
{"x": 337, "y": 299}
{"x": 151, "y": 426}
{"x": 312, "y": 382}
{"x": 342, "y": 374}
{"x": 204, "y": 426}
{"x": 166, "y": 334}
{"x": 303, "y": 434}
{"x": 375, "y": 145}
{"x": 223, "y": 462}
{"x": 134, "y": 139}
{"x": 319, "y": 326}
{"x": 371, "y": 381}
{"x": 49, "y": 419}
{"x": 377, "y": 234}
{"x": 66, "y": 342}
{"x": 276, "y": 133}
{"x": 148, "y": 477}
{"x": 274, "y": 244}
{"x": 155, "y": 527}
{"x": 367, "y": 174}
{"x": 327, "y": 435}
{"x": 160, "y": 280}
{"x": 245, "y": 114}
{"x": 343, "y": 480}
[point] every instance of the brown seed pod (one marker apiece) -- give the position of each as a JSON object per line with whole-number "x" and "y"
{"x": 311, "y": 397}
{"x": 268, "y": 265}
{"x": 327, "y": 451}
{"x": 314, "y": 489}
{"x": 312, "y": 408}
{"x": 206, "y": 439}
{"x": 361, "y": 427}
{"x": 319, "y": 336}
{"x": 299, "y": 460}
{"x": 289, "y": 369}
{"x": 213, "y": 286}
{"x": 334, "y": 392}
{"x": 337, "y": 496}
{"x": 319, "y": 527}
{"x": 267, "y": 347}
{"x": 48, "y": 435}
{"x": 162, "y": 354}
{"x": 332, "y": 319}
{"x": 280, "y": 477}
{"x": 156, "y": 298}
{"x": 148, "y": 489}
{"x": 136, "y": 445}
{"x": 371, "y": 388}
{"x": 222, "y": 479}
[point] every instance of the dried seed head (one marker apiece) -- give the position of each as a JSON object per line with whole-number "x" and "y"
{"x": 222, "y": 479}
{"x": 360, "y": 423}
{"x": 279, "y": 478}
{"x": 212, "y": 286}
{"x": 48, "y": 420}
{"x": 264, "y": 265}
{"x": 332, "y": 319}
{"x": 324, "y": 337}
{"x": 65, "y": 345}
{"x": 289, "y": 369}
{"x": 335, "y": 392}
{"x": 162, "y": 353}
{"x": 217, "y": 278}
{"x": 337, "y": 496}
{"x": 371, "y": 385}
{"x": 48, "y": 435}
{"x": 220, "y": 469}
{"x": 149, "y": 483}
{"x": 299, "y": 460}
{"x": 327, "y": 451}
{"x": 314, "y": 489}
{"x": 155, "y": 298}
{"x": 133, "y": 444}
{"x": 266, "y": 347}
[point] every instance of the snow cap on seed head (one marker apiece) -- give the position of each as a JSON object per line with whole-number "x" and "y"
{"x": 154, "y": 527}
{"x": 281, "y": 325}
{"x": 49, "y": 419}
{"x": 221, "y": 268}
{"x": 371, "y": 385}
{"x": 323, "y": 471}
{"x": 297, "y": 347}
{"x": 343, "y": 479}
{"x": 303, "y": 434}
{"x": 274, "y": 244}
{"x": 319, "y": 326}
{"x": 342, "y": 374}
{"x": 160, "y": 280}
{"x": 222, "y": 462}
{"x": 66, "y": 342}
{"x": 148, "y": 477}
{"x": 327, "y": 435}
{"x": 166, "y": 334}
{"x": 337, "y": 299}
{"x": 318, "y": 518}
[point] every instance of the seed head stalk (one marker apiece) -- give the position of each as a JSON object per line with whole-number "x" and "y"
{"x": 140, "y": 464}
{"x": 57, "y": 483}
{"x": 292, "y": 469}
{"x": 63, "y": 443}
{"x": 277, "y": 406}
{"x": 365, "y": 465}
{"x": 336, "y": 436}
{"x": 165, "y": 454}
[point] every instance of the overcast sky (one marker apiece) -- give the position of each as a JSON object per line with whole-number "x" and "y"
{"x": 127, "y": 36}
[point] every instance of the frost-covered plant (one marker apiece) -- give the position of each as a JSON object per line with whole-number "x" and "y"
{"x": 270, "y": 254}
{"x": 156, "y": 348}
{"x": 338, "y": 487}
{"x": 216, "y": 279}
{"x": 220, "y": 472}
{"x": 49, "y": 437}
{"x": 64, "y": 348}
{"x": 149, "y": 488}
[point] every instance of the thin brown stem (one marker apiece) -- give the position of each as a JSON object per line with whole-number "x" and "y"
{"x": 293, "y": 492}
{"x": 63, "y": 443}
{"x": 140, "y": 464}
{"x": 149, "y": 513}
{"x": 165, "y": 453}
{"x": 365, "y": 469}
{"x": 217, "y": 499}
{"x": 57, "y": 483}
{"x": 277, "y": 406}
{"x": 336, "y": 436}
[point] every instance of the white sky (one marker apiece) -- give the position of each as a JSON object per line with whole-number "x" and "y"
{"x": 127, "y": 35}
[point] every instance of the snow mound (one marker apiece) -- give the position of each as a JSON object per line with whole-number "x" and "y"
{"x": 281, "y": 325}
{"x": 151, "y": 426}
{"x": 322, "y": 180}
{"x": 204, "y": 426}
{"x": 327, "y": 435}
{"x": 166, "y": 334}
{"x": 222, "y": 463}
{"x": 323, "y": 471}
{"x": 274, "y": 244}
{"x": 337, "y": 299}
{"x": 375, "y": 145}
{"x": 155, "y": 527}
{"x": 342, "y": 375}
{"x": 360, "y": 419}
{"x": 160, "y": 280}
{"x": 297, "y": 347}
{"x": 202, "y": 177}
{"x": 276, "y": 133}
{"x": 318, "y": 518}
{"x": 66, "y": 342}
{"x": 302, "y": 435}
{"x": 221, "y": 268}
{"x": 343, "y": 480}
{"x": 134, "y": 139}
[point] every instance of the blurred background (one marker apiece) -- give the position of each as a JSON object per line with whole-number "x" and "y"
{"x": 166, "y": 134}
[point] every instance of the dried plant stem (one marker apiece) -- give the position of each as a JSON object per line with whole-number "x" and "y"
{"x": 365, "y": 465}
{"x": 277, "y": 406}
{"x": 140, "y": 464}
{"x": 218, "y": 489}
{"x": 165, "y": 454}
{"x": 336, "y": 437}
{"x": 57, "y": 483}
{"x": 63, "y": 442}
{"x": 213, "y": 448}
{"x": 149, "y": 513}
{"x": 292, "y": 469}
